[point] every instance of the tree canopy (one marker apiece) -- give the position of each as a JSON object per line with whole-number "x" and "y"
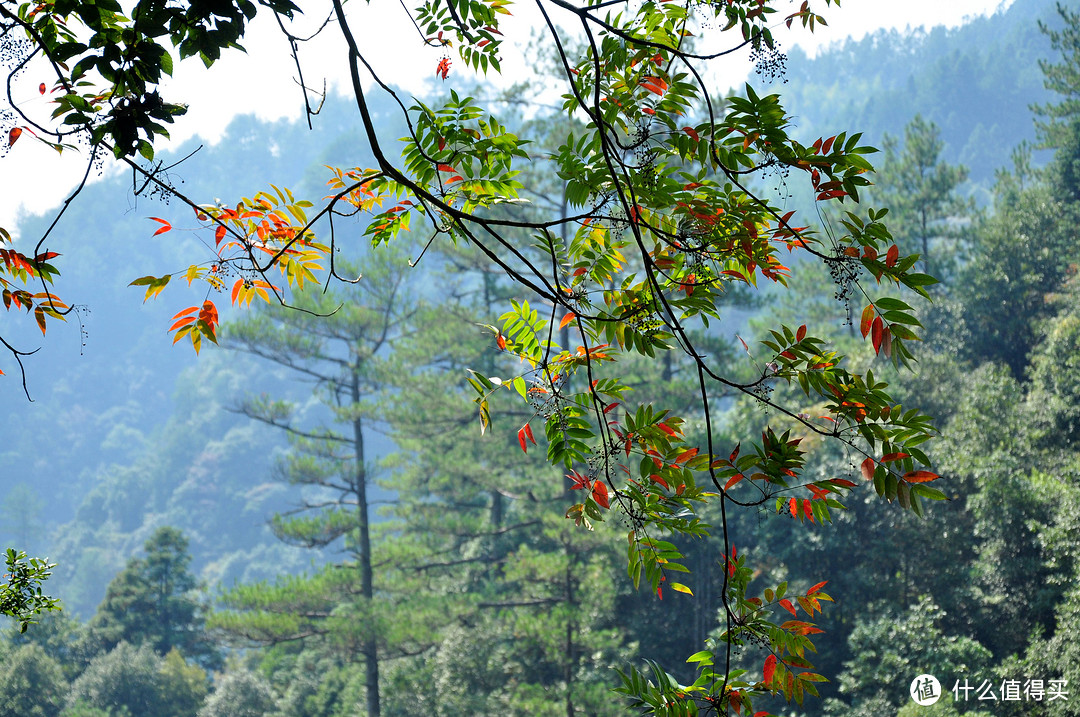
{"x": 663, "y": 216}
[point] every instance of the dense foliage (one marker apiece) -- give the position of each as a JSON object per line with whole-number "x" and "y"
{"x": 477, "y": 598}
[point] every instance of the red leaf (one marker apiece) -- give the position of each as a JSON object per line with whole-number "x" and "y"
{"x": 219, "y": 234}
{"x": 236, "y": 289}
{"x": 654, "y": 84}
{"x": 867, "y": 319}
{"x": 13, "y": 135}
{"x": 808, "y": 509}
{"x": 442, "y": 144}
{"x": 891, "y": 256}
{"x": 828, "y": 145}
{"x": 570, "y": 316}
{"x": 889, "y": 457}
{"x": 443, "y": 68}
{"x": 817, "y": 587}
{"x": 658, "y": 479}
{"x": 801, "y": 333}
{"x": 521, "y": 440}
{"x": 666, "y": 428}
{"x": 735, "y": 452}
{"x": 876, "y": 330}
{"x": 446, "y": 168}
{"x": 920, "y": 476}
{"x": 610, "y": 407}
{"x": 165, "y": 226}
{"x": 600, "y": 494}
{"x": 500, "y": 341}
{"x": 41, "y": 88}
{"x": 786, "y": 604}
{"x": 693, "y": 133}
{"x": 769, "y": 669}
{"x": 793, "y": 507}
{"x": 529, "y": 433}
{"x": 733, "y": 480}
{"x": 867, "y": 469}
{"x": 648, "y": 110}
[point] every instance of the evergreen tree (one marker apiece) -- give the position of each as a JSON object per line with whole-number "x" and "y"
{"x": 920, "y": 191}
{"x": 347, "y": 356}
{"x": 1061, "y": 77}
{"x": 152, "y": 602}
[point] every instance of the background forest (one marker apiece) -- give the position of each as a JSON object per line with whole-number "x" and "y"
{"x": 217, "y": 521}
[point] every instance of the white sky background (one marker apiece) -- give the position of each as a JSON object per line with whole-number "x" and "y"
{"x": 33, "y": 178}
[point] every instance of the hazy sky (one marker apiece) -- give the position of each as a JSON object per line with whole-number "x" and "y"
{"x": 34, "y": 179}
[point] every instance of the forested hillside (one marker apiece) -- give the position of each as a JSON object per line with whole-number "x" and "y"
{"x": 251, "y": 498}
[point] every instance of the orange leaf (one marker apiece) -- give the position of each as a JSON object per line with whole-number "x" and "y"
{"x": 808, "y": 509}
{"x": 867, "y": 469}
{"x": 529, "y": 433}
{"x": 219, "y": 234}
{"x": 182, "y": 322}
{"x": 817, "y": 587}
{"x": 236, "y": 289}
{"x": 600, "y": 494}
{"x": 165, "y": 226}
{"x": 500, "y": 340}
{"x": 733, "y": 480}
{"x": 686, "y": 455}
{"x": 654, "y": 84}
{"x": 521, "y": 440}
{"x": 446, "y": 168}
{"x": 786, "y": 604}
{"x": 793, "y": 507}
{"x": 566, "y": 319}
{"x": 666, "y": 428}
{"x": 889, "y": 457}
{"x": 13, "y": 135}
{"x": 867, "y": 319}
{"x": 920, "y": 476}
{"x": 41, "y": 88}
{"x": 209, "y": 313}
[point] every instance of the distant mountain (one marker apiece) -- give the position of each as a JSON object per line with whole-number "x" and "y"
{"x": 976, "y": 82}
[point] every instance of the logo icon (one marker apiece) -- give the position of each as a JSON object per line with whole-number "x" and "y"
{"x": 925, "y": 690}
